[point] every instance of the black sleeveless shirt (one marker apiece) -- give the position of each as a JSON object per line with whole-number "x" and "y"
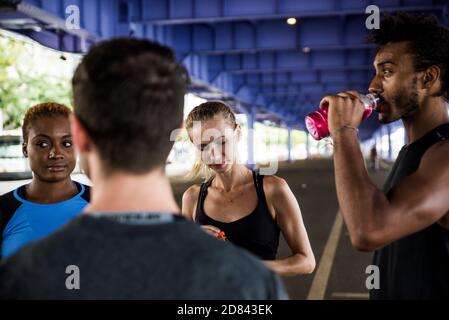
{"x": 416, "y": 266}
{"x": 256, "y": 232}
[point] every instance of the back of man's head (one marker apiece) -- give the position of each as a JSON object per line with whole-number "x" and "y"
{"x": 129, "y": 96}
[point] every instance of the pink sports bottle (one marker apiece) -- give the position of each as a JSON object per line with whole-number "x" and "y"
{"x": 316, "y": 121}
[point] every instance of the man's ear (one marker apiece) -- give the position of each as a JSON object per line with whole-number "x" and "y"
{"x": 79, "y": 134}
{"x": 431, "y": 79}
{"x": 24, "y": 149}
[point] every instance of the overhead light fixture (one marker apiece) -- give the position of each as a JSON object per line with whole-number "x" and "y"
{"x": 291, "y": 21}
{"x": 306, "y": 49}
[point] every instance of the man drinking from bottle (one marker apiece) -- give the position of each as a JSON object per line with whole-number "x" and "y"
{"x": 406, "y": 223}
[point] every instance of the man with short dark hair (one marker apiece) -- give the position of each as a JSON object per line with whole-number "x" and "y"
{"x": 408, "y": 221}
{"x": 131, "y": 242}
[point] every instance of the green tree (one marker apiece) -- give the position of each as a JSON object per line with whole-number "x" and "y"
{"x": 21, "y": 86}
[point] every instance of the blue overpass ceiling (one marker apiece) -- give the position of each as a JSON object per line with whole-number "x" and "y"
{"x": 241, "y": 51}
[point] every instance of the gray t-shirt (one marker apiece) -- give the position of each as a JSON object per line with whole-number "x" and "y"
{"x": 112, "y": 259}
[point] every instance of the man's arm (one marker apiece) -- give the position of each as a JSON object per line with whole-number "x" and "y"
{"x": 373, "y": 220}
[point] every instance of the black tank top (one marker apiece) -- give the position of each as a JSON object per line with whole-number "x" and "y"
{"x": 256, "y": 232}
{"x": 417, "y": 266}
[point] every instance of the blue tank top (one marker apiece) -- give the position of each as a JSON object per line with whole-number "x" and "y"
{"x": 22, "y": 221}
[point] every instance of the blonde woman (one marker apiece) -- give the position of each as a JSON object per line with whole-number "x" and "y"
{"x": 238, "y": 204}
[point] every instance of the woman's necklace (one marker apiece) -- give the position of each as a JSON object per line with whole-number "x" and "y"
{"x": 232, "y": 198}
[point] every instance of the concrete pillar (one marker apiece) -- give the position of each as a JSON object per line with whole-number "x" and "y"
{"x": 390, "y": 147}
{"x": 307, "y": 144}
{"x": 405, "y": 137}
{"x": 251, "y": 118}
{"x": 289, "y": 143}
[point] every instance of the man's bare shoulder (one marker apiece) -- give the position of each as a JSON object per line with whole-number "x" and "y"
{"x": 435, "y": 166}
{"x": 436, "y": 158}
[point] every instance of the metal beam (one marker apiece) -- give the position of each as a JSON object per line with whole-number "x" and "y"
{"x": 322, "y": 47}
{"x": 215, "y": 11}
{"x": 244, "y": 37}
{"x": 315, "y": 68}
{"x": 49, "y": 29}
